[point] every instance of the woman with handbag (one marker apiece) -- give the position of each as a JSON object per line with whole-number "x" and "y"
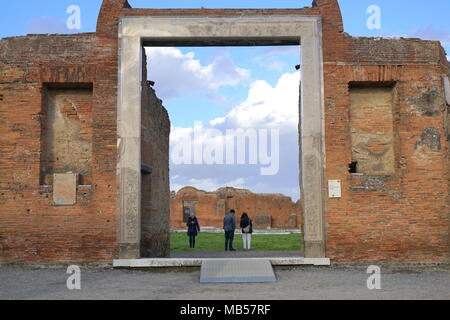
{"x": 247, "y": 230}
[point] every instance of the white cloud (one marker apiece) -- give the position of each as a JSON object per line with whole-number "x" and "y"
{"x": 208, "y": 184}
{"x": 266, "y": 107}
{"x": 178, "y": 74}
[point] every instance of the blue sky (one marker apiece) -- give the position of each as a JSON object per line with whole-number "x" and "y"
{"x": 234, "y": 87}
{"x": 399, "y": 17}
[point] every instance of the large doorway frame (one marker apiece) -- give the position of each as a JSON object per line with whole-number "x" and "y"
{"x": 137, "y": 32}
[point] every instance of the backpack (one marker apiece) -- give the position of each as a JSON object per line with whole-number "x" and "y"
{"x": 247, "y": 228}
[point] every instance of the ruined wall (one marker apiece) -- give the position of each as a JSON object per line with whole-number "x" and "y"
{"x": 396, "y": 207}
{"x": 66, "y": 134}
{"x": 397, "y": 214}
{"x": 446, "y": 80}
{"x": 211, "y": 207}
{"x": 58, "y": 115}
{"x": 155, "y": 224}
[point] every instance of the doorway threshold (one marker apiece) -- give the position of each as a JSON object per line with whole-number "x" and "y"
{"x": 197, "y": 262}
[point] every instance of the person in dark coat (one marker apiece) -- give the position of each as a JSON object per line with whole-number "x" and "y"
{"x": 247, "y": 230}
{"x": 229, "y": 225}
{"x": 193, "y": 229}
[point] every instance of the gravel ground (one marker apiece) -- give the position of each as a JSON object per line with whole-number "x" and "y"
{"x": 337, "y": 282}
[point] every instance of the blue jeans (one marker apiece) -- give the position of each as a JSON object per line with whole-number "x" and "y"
{"x": 229, "y": 237}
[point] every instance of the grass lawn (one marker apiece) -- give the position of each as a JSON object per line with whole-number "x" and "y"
{"x": 208, "y": 241}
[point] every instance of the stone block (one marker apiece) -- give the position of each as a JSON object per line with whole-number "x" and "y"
{"x": 65, "y": 189}
{"x": 447, "y": 89}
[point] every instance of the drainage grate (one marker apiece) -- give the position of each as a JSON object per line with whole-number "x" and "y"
{"x": 237, "y": 270}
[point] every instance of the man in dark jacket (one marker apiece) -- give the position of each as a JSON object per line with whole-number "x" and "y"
{"x": 229, "y": 225}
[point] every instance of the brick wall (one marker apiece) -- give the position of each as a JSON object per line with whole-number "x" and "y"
{"x": 31, "y": 227}
{"x": 402, "y": 216}
{"x": 211, "y": 207}
{"x": 155, "y": 213}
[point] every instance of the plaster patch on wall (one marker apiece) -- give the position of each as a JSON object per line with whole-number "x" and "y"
{"x": 65, "y": 189}
{"x": 428, "y": 103}
{"x": 430, "y": 138}
{"x": 67, "y": 134}
{"x": 372, "y": 130}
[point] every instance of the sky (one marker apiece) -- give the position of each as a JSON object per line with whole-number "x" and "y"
{"x": 217, "y": 90}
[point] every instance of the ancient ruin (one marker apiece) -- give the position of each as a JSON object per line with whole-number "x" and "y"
{"x": 84, "y": 139}
{"x": 266, "y": 210}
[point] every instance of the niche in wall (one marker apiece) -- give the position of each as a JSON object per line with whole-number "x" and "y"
{"x": 372, "y": 128}
{"x": 66, "y": 144}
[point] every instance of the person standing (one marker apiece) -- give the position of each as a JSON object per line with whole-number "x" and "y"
{"x": 229, "y": 226}
{"x": 193, "y": 229}
{"x": 247, "y": 230}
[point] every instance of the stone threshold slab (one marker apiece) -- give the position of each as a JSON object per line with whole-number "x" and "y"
{"x": 197, "y": 262}
{"x": 237, "y": 271}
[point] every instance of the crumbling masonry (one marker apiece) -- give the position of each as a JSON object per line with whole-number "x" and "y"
{"x": 266, "y": 210}
{"x": 66, "y": 195}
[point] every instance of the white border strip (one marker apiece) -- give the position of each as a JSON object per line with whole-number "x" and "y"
{"x": 197, "y": 262}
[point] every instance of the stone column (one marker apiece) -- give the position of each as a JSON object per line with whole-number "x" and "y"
{"x": 312, "y": 142}
{"x": 129, "y": 144}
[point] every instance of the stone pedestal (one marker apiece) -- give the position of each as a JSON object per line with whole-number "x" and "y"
{"x": 314, "y": 249}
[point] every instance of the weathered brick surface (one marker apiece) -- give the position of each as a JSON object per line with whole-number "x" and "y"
{"x": 155, "y": 213}
{"x": 403, "y": 216}
{"x": 66, "y": 144}
{"x": 211, "y": 207}
{"x": 262, "y": 221}
{"x": 31, "y": 228}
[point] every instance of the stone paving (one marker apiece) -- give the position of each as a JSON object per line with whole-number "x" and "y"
{"x": 337, "y": 282}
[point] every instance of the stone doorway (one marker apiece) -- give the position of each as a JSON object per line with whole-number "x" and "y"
{"x": 188, "y": 209}
{"x": 137, "y": 32}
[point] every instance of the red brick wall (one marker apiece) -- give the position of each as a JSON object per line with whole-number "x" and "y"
{"x": 211, "y": 207}
{"x": 155, "y": 213}
{"x": 402, "y": 217}
{"x": 31, "y": 228}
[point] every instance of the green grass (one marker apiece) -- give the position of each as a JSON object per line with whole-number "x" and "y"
{"x": 207, "y": 241}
